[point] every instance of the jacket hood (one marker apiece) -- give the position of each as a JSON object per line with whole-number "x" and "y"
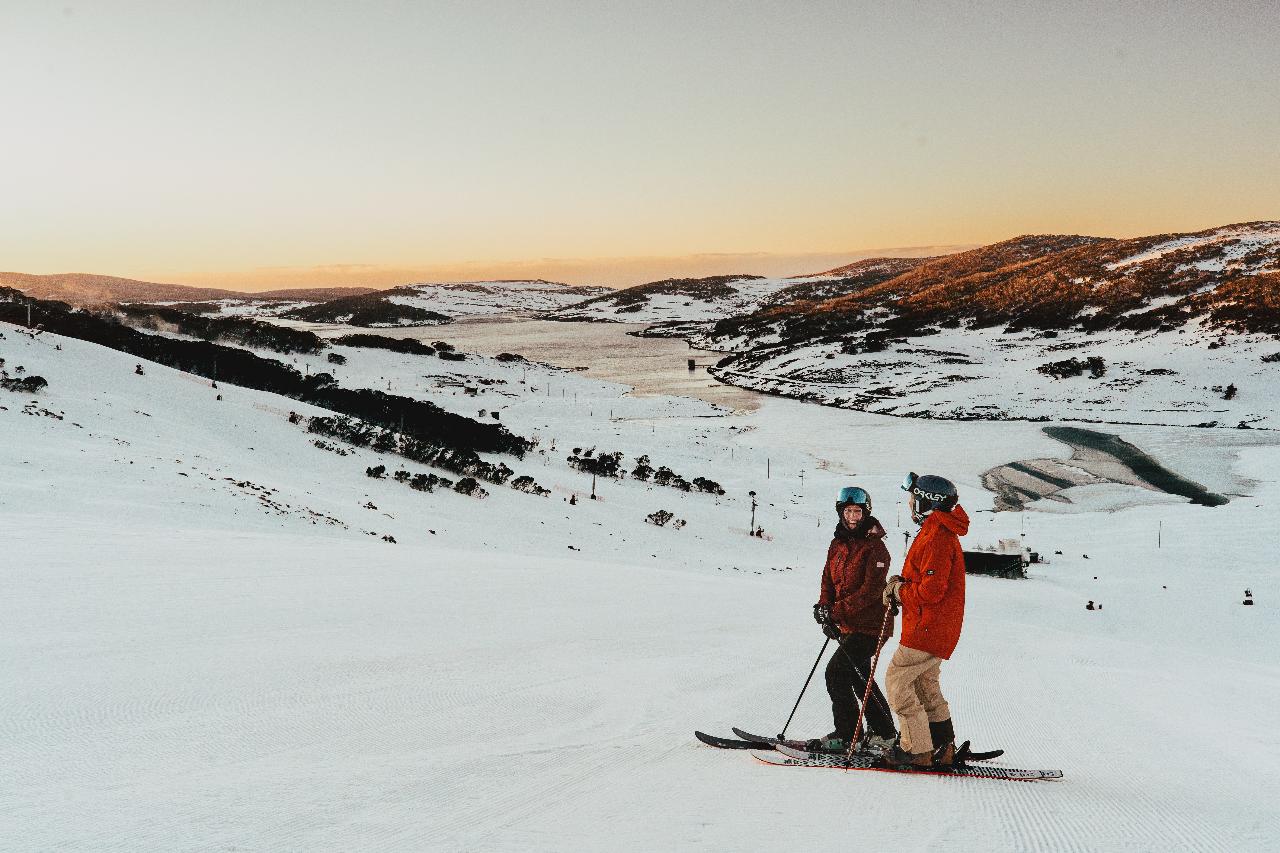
{"x": 957, "y": 520}
{"x": 870, "y": 528}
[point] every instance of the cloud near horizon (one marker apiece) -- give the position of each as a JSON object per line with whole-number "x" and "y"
{"x": 606, "y": 272}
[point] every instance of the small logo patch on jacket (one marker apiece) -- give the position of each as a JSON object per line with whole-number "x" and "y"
{"x": 879, "y": 565}
{"x": 929, "y": 571}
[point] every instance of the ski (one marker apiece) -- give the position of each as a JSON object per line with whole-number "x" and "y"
{"x": 964, "y": 751}
{"x": 746, "y": 735}
{"x": 757, "y": 742}
{"x": 764, "y": 740}
{"x": 725, "y": 743}
{"x": 785, "y": 756}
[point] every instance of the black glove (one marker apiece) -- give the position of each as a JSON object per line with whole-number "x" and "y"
{"x": 822, "y": 613}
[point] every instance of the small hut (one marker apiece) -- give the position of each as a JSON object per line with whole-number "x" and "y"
{"x": 994, "y": 564}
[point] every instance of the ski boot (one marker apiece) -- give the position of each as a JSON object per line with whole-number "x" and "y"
{"x": 832, "y": 743}
{"x": 944, "y": 734}
{"x": 874, "y": 743}
{"x": 898, "y": 758}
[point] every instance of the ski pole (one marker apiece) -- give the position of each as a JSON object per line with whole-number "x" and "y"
{"x": 822, "y": 652}
{"x": 871, "y": 676}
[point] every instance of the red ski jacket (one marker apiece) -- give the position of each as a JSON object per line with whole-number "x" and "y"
{"x": 933, "y": 595}
{"x": 853, "y": 580}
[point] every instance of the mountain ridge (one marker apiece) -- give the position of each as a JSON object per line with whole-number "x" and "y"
{"x": 94, "y": 289}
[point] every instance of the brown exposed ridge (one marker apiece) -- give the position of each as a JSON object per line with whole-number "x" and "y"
{"x": 1226, "y": 275}
{"x": 311, "y": 294}
{"x": 91, "y": 289}
{"x": 955, "y": 278}
{"x": 486, "y": 286}
{"x": 873, "y": 265}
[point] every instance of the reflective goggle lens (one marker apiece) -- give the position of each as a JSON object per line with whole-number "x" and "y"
{"x": 909, "y": 481}
{"x": 853, "y": 495}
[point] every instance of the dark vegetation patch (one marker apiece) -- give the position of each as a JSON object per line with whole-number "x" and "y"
{"x": 21, "y": 384}
{"x": 660, "y": 518}
{"x": 610, "y": 465}
{"x": 423, "y": 482}
{"x": 1096, "y": 366}
{"x": 404, "y": 345}
{"x": 1248, "y": 304}
{"x": 525, "y": 483}
{"x": 240, "y": 330}
{"x": 371, "y": 309}
{"x": 188, "y": 307}
{"x": 382, "y": 440}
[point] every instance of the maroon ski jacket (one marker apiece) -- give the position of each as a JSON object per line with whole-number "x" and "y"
{"x": 853, "y": 579}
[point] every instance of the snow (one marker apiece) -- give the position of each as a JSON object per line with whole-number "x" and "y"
{"x": 748, "y": 294}
{"x": 259, "y": 308}
{"x": 194, "y": 664}
{"x": 483, "y": 298}
{"x": 1246, "y": 239}
{"x": 966, "y": 373}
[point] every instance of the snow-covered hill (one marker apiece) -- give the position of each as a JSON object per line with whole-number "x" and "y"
{"x": 208, "y": 643}
{"x": 694, "y": 302}
{"x": 1224, "y": 277}
{"x": 434, "y": 303}
{"x": 88, "y": 289}
{"x": 1188, "y": 377}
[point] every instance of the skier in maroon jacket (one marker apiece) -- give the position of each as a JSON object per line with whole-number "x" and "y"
{"x": 850, "y": 610}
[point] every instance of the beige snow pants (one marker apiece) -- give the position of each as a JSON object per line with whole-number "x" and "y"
{"x": 911, "y": 684}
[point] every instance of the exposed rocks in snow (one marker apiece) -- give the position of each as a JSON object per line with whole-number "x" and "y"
{"x": 1096, "y": 458}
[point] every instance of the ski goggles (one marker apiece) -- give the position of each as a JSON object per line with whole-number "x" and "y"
{"x": 854, "y": 495}
{"x": 909, "y": 483}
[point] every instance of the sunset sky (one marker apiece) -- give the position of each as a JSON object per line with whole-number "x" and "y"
{"x": 266, "y": 144}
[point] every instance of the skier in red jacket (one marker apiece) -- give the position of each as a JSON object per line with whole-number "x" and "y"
{"x": 850, "y": 611}
{"x": 931, "y": 593}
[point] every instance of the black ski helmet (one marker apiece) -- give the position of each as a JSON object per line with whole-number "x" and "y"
{"x": 851, "y": 496}
{"x": 930, "y": 492}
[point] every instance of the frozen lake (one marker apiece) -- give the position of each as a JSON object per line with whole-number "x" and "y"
{"x": 649, "y": 365}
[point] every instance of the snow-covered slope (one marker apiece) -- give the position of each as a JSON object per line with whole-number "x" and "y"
{"x": 208, "y": 644}
{"x": 470, "y": 298}
{"x": 1188, "y": 377}
{"x": 1252, "y": 246}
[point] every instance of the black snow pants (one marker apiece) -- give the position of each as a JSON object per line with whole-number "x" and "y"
{"x": 847, "y": 682}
